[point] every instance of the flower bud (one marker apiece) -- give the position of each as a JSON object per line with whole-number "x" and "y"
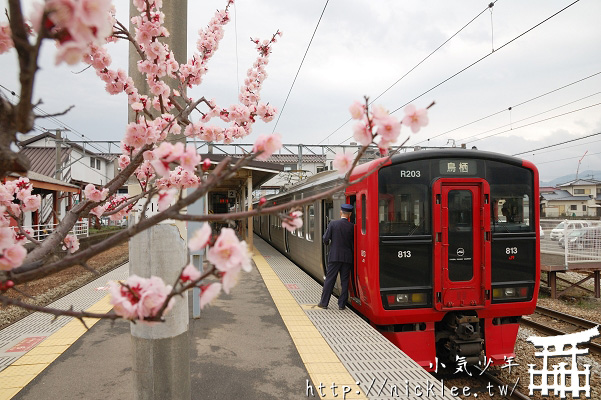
{"x": 206, "y": 164}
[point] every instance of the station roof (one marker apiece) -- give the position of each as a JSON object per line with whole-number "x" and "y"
{"x": 262, "y": 171}
{"x": 40, "y": 181}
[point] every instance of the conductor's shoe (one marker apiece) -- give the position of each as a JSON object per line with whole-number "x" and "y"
{"x": 341, "y": 307}
{"x": 322, "y": 306}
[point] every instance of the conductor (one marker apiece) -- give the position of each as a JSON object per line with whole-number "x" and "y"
{"x": 341, "y": 233}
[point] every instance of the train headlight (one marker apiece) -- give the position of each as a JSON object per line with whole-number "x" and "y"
{"x": 402, "y": 298}
{"x": 510, "y": 293}
{"x": 407, "y": 299}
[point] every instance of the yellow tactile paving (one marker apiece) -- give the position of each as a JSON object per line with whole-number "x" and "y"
{"x": 16, "y": 376}
{"x": 322, "y": 364}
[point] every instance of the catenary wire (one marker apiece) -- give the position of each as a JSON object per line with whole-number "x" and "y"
{"x": 532, "y": 116}
{"x": 512, "y": 107}
{"x": 558, "y": 144}
{"x": 300, "y": 66}
{"x": 415, "y": 66}
{"x": 480, "y": 59}
{"x": 486, "y": 56}
{"x": 57, "y": 121}
{"x": 535, "y": 122}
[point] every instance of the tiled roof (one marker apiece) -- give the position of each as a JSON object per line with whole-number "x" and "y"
{"x": 581, "y": 182}
{"x": 25, "y": 143}
{"x": 563, "y": 195}
{"x": 293, "y": 158}
{"x": 43, "y": 159}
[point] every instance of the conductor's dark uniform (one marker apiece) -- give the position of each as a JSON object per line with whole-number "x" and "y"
{"x": 341, "y": 234}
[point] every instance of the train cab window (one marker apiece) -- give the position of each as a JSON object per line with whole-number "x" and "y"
{"x": 403, "y": 210}
{"x": 511, "y": 211}
{"x": 310, "y": 222}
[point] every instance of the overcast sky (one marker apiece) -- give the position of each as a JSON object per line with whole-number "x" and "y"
{"x": 363, "y": 47}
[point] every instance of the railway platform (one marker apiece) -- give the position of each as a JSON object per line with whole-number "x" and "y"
{"x": 266, "y": 340}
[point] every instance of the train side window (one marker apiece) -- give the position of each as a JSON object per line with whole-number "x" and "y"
{"x": 363, "y": 213}
{"x": 301, "y": 231}
{"x": 310, "y": 222}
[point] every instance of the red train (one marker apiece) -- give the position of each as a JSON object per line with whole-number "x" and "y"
{"x": 447, "y": 249}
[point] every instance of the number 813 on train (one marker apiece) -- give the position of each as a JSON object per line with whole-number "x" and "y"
{"x": 446, "y": 248}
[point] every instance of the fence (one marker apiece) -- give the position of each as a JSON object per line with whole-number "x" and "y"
{"x": 41, "y": 232}
{"x": 570, "y": 242}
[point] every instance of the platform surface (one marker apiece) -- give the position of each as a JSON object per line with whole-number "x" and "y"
{"x": 266, "y": 340}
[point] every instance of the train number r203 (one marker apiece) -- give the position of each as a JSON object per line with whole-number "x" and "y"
{"x": 404, "y": 254}
{"x": 410, "y": 174}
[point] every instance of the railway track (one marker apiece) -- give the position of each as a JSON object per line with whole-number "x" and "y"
{"x": 577, "y": 323}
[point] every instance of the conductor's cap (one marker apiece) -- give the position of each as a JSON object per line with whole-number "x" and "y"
{"x": 346, "y": 207}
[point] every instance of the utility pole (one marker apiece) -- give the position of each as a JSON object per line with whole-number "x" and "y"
{"x": 58, "y": 141}
{"x": 161, "y": 354}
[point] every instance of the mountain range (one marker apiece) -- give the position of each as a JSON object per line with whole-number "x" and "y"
{"x": 588, "y": 174}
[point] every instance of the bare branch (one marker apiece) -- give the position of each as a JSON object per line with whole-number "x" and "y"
{"x": 37, "y": 116}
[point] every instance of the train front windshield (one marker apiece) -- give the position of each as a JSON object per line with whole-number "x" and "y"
{"x": 406, "y": 217}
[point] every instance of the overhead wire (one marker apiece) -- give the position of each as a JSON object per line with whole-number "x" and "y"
{"x": 524, "y": 119}
{"x": 487, "y": 55}
{"x": 300, "y": 66}
{"x": 557, "y": 144}
{"x": 415, "y": 66}
{"x": 482, "y": 58}
{"x": 512, "y": 107}
{"x": 535, "y": 122}
{"x": 57, "y": 121}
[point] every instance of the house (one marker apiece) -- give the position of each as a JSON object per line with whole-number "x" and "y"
{"x": 576, "y": 198}
{"x": 79, "y": 165}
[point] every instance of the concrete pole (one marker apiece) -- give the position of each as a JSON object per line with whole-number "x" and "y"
{"x": 161, "y": 354}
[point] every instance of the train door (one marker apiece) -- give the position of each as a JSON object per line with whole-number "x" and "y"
{"x": 327, "y": 216}
{"x": 352, "y": 200}
{"x": 462, "y": 243}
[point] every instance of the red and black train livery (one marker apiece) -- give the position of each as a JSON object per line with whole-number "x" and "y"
{"x": 446, "y": 248}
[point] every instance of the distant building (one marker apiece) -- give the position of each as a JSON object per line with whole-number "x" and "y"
{"x": 577, "y": 198}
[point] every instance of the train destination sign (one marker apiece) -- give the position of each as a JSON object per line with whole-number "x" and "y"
{"x": 458, "y": 167}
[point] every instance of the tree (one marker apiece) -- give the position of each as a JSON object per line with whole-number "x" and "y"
{"x": 80, "y": 29}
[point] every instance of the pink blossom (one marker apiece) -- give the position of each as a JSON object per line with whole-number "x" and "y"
{"x": 190, "y": 273}
{"x": 267, "y": 145}
{"x": 6, "y": 194}
{"x": 293, "y": 221}
{"x": 153, "y": 296}
{"x": 201, "y": 238}
{"x": 229, "y": 280}
{"x": 32, "y": 203}
{"x": 389, "y": 128}
{"x": 229, "y": 253}
{"x": 6, "y": 238}
{"x": 124, "y": 161}
{"x": 189, "y": 159}
{"x": 357, "y": 110}
{"x": 161, "y": 167}
{"x": 362, "y": 134}
{"x": 94, "y": 194}
{"x": 378, "y": 112}
{"x": 209, "y": 293}
{"x": 343, "y": 162}
{"x": 165, "y": 199}
{"x": 6, "y": 41}
{"x": 98, "y": 211}
{"x": 415, "y": 118}
{"x": 12, "y": 257}
{"x": 71, "y": 243}
{"x": 138, "y": 297}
